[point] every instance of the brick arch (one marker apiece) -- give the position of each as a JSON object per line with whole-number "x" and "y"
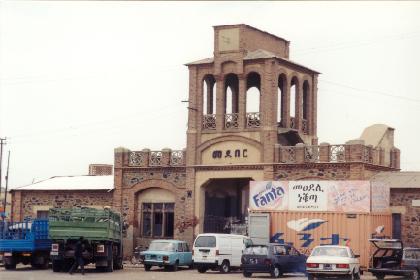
{"x": 141, "y": 186}
{"x": 211, "y": 142}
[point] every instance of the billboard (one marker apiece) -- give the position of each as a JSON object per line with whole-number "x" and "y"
{"x": 339, "y": 196}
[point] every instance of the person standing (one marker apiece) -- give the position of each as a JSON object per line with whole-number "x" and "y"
{"x": 78, "y": 256}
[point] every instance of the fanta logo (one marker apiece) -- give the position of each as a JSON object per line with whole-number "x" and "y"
{"x": 269, "y": 195}
{"x": 305, "y": 224}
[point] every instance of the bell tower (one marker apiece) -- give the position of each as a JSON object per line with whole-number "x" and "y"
{"x": 249, "y": 91}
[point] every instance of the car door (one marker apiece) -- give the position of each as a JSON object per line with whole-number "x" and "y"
{"x": 187, "y": 254}
{"x": 298, "y": 260}
{"x": 280, "y": 257}
{"x": 180, "y": 253}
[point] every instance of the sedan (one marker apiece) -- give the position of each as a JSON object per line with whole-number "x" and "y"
{"x": 168, "y": 254}
{"x": 333, "y": 261}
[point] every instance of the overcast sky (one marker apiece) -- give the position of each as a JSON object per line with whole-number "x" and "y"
{"x": 78, "y": 79}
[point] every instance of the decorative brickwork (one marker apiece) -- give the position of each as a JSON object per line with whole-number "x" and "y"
{"x": 176, "y": 177}
{"x": 327, "y": 172}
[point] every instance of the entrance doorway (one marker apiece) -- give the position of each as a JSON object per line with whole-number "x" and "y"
{"x": 226, "y": 205}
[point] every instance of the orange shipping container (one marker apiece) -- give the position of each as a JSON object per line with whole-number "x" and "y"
{"x": 309, "y": 229}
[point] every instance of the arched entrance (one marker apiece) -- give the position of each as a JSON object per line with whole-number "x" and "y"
{"x": 225, "y": 205}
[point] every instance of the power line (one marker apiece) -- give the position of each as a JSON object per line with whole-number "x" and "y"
{"x": 371, "y": 91}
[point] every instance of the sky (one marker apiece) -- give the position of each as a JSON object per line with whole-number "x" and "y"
{"x": 78, "y": 79}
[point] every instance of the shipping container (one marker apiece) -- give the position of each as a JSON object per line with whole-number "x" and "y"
{"x": 308, "y": 229}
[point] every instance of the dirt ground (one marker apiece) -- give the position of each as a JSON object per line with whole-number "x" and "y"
{"x": 132, "y": 272}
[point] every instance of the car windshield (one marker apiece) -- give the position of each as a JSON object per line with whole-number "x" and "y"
{"x": 330, "y": 251}
{"x": 205, "y": 241}
{"x": 256, "y": 250}
{"x": 161, "y": 246}
{"x": 412, "y": 254}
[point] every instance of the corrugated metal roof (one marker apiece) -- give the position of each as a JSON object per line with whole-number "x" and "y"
{"x": 84, "y": 182}
{"x": 398, "y": 180}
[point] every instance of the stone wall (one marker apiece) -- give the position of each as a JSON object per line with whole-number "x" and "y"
{"x": 27, "y": 202}
{"x": 312, "y": 171}
{"x": 410, "y": 218}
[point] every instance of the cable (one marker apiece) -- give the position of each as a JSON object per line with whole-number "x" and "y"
{"x": 371, "y": 91}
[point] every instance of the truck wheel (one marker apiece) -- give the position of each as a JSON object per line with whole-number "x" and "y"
{"x": 224, "y": 267}
{"x": 202, "y": 269}
{"x": 147, "y": 267}
{"x": 11, "y": 266}
{"x": 56, "y": 266}
{"x": 110, "y": 267}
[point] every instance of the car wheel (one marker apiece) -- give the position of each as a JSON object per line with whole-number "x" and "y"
{"x": 275, "y": 272}
{"x": 356, "y": 275}
{"x": 247, "y": 274}
{"x": 415, "y": 275}
{"x": 225, "y": 267}
{"x": 175, "y": 266}
{"x": 311, "y": 277}
{"x": 202, "y": 269}
{"x": 379, "y": 276}
{"x": 147, "y": 267}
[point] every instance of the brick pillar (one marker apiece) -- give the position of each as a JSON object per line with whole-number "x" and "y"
{"x": 220, "y": 104}
{"x": 381, "y": 156}
{"x": 146, "y": 157}
{"x": 355, "y": 150}
{"x": 285, "y": 114}
{"x": 314, "y": 94}
{"x": 300, "y": 153}
{"x": 166, "y": 157}
{"x": 324, "y": 152}
{"x": 276, "y": 152}
{"x": 242, "y": 102}
{"x": 298, "y": 106}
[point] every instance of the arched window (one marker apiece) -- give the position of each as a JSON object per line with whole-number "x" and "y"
{"x": 209, "y": 96}
{"x": 281, "y": 93}
{"x": 231, "y": 101}
{"x": 253, "y": 97}
{"x": 209, "y": 102}
{"x": 293, "y": 97}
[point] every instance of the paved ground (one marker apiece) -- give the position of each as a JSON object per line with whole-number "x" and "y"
{"x": 136, "y": 273}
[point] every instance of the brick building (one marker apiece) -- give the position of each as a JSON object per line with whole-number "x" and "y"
{"x": 93, "y": 190}
{"x": 252, "y": 117}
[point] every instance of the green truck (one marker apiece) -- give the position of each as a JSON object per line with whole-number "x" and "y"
{"x": 101, "y": 230}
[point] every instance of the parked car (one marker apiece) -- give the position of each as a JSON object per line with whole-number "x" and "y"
{"x": 391, "y": 258}
{"x": 275, "y": 259}
{"x": 333, "y": 261}
{"x": 169, "y": 254}
{"x": 219, "y": 251}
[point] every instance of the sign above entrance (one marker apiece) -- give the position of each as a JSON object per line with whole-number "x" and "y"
{"x": 340, "y": 196}
{"x": 230, "y": 152}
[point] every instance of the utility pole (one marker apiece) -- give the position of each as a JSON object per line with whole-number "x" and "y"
{"x": 1, "y": 157}
{"x": 7, "y": 184}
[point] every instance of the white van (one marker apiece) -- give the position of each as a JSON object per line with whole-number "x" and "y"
{"x": 219, "y": 251}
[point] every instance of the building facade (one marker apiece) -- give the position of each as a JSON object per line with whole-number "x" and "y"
{"x": 252, "y": 116}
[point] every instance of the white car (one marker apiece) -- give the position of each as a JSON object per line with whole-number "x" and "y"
{"x": 333, "y": 261}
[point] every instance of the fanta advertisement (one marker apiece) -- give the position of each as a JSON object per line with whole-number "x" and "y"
{"x": 341, "y": 196}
